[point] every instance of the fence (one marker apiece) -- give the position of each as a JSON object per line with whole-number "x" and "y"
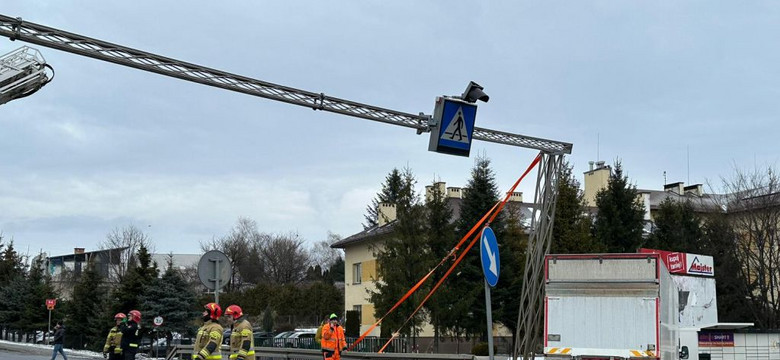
{"x": 369, "y": 344}
{"x": 278, "y": 353}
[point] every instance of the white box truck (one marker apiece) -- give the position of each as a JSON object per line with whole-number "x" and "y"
{"x": 610, "y": 306}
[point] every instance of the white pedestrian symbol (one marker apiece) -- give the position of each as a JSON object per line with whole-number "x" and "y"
{"x": 456, "y": 129}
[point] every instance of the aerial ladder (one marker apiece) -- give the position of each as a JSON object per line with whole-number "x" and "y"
{"x": 23, "y": 72}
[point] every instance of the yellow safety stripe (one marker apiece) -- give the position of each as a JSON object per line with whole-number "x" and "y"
{"x": 563, "y": 351}
{"x": 117, "y": 350}
{"x": 242, "y": 353}
{"x": 641, "y": 353}
{"x": 210, "y": 357}
{"x": 133, "y": 345}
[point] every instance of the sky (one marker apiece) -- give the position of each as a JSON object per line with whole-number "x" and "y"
{"x": 683, "y": 88}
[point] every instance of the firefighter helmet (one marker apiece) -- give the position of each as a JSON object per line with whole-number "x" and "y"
{"x": 213, "y": 310}
{"x": 120, "y": 316}
{"x": 234, "y": 311}
{"x": 135, "y": 315}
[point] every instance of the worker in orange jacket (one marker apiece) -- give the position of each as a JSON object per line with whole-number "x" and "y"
{"x": 333, "y": 341}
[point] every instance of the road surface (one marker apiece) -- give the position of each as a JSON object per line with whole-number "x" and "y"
{"x": 12, "y": 351}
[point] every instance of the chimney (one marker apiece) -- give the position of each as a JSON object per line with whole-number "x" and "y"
{"x": 590, "y": 165}
{"x": 695, "y": 189}
{"x": 516, "y": 196}
{"x": 595, "y": 180}
{"x": 676, "y": 188}
{"x": 386, "y": 214}
{"x": 453, "y": 192}
{"x": 438, "y": 186}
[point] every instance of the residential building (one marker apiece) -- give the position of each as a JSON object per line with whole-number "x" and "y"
{"x": 65, "y": 270}
{"x": 597, "y": 177}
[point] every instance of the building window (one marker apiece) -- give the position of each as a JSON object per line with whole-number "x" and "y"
{"x": 357, "y": 273}
{"x": 359, "y": 309}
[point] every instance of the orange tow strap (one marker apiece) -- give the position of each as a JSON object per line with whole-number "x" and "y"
{"x": 463, "y": 254}
{"x": 419, "y": 283}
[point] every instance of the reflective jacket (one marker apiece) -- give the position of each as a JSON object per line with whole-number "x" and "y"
{"x": 208, "y": 341}
{"x": 113, "y": 340}
{"x": 242, "y": 341}
{"x": 333, "y": 338}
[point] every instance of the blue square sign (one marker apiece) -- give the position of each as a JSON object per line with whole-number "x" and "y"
{"x": 455, "y": 119}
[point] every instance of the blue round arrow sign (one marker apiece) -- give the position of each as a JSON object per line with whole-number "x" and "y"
{"x": 488, "y": 250}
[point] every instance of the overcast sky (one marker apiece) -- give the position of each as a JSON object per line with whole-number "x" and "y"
{"x": 689, "y": 88}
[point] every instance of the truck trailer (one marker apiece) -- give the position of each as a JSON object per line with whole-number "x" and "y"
{"x": 610, "y": 306}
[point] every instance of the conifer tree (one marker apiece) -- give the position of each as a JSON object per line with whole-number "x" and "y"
{"x": 571, "y": 230}
{"x": 401, "y": 260}
{"x": 171, "y": 298}
{"x": 481, "y": 193}
{"x": 512, "y": 252}
{"x": 86, "y": 322}
{"x": 731, "y": 281}
{"x": 127, "y": 296}
{"x": 620, "y": 220}
{"x": 11, "y": 263}
{"x": 440, "y": 239}
{"x": 677, "y": 228}
{"x": 40, "y": 288}
{"x": 391, "y": 190}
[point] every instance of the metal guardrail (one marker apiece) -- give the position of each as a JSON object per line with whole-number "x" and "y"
{"x": 274, "y": 353}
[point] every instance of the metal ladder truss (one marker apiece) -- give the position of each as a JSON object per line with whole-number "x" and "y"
{"x": 15, "y": 28}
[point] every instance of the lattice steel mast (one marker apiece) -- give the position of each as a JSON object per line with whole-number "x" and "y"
{"x": 546, "y": 189}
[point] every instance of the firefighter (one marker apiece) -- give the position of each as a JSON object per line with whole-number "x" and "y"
{"x": 333, "y": 341}
{"x": 112, "y": 349}
{"x": 131, "y": 335}
{"x": 209, "y": 339}
{"x": 242, "y": 341}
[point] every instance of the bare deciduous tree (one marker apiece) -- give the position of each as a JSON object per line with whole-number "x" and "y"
{"x": 752, "y": 202}
{"x": 122, "y": 245}
{"x": 324, "y": 255}
{"x": 238, "y": 246}
{"x": 285, "y": 258}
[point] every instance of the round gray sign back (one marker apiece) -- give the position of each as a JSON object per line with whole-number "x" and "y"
{"x": 207, "y": 269}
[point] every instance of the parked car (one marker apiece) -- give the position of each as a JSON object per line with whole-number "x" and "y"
{"x": 41, "y": 336}
{"x": 278, "y": 340}
{"x": 302, "y": 339}
{"x": 160, "y": 346}
{"x": 263, "y": 338}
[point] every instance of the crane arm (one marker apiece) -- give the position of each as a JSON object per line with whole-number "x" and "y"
{"x": 16, "y": 29}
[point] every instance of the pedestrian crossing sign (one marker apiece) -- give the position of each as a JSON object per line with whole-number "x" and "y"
{"x": 454, "y": 127}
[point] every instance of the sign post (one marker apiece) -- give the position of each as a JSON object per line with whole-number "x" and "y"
{"x": 214, "y": 276}
{"x": 50, "y": 304}
{"x": 488, "y": 251}
{"x": 158, "y": 320}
